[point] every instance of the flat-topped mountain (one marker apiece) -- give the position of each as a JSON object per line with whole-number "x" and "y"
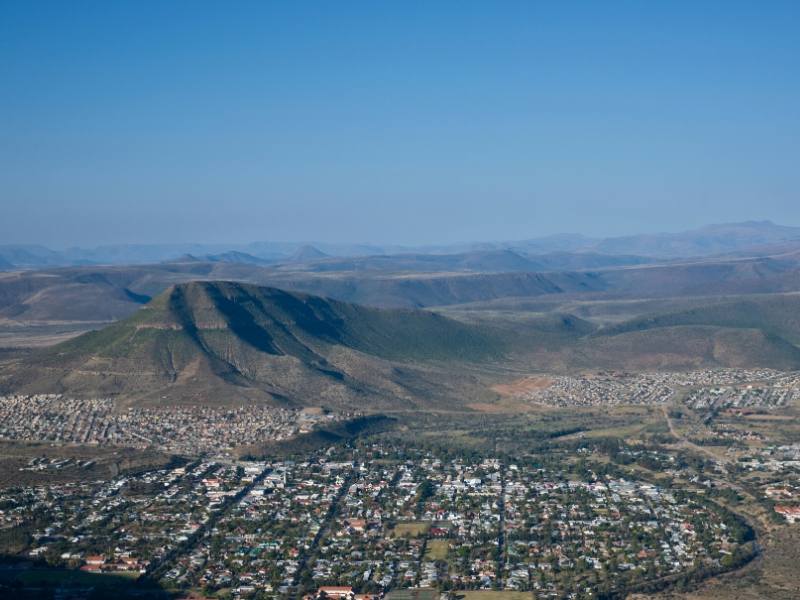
{"x": 307, "y": 253}
{"x": 217, "y": 342}
{"x": 233, "y": 256}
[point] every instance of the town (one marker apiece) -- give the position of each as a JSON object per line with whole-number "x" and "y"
{"x": 710, "y": 387}
{"x": 612, "y": 483}
{"x": 180, "y": 430}
{"x": 374, "y": 517}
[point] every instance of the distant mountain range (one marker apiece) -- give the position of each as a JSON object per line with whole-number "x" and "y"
{"x": 709, "y": 240}
{"x": 107, "y": 293}
{"x": 94, "y": 294}
{"x": 475, "y": 261}
{"x": 705, "y": 241}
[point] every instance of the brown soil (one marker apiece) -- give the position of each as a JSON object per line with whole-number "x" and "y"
{"x": 520, "y": 386}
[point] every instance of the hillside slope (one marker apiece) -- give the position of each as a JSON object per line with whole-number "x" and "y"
{"x": 777, "y": 316}
{"x": 109, "y": 293}
{"x": 221, "y": 342}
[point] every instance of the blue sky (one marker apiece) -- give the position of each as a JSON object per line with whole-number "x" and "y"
{"x": 404, "y": 122}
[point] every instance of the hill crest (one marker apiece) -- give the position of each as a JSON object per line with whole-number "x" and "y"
{"x": 216, "y": 342}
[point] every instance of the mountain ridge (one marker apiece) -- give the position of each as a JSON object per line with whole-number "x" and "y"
{"x": 240, "y": 342}
{"x": 703, "y": 241}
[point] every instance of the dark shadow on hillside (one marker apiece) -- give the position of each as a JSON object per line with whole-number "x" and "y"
{"x": 334, "y": 433}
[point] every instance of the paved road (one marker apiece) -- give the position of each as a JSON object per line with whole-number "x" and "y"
{"x": 157, "y": 568}
{"x": 327, "y": 522}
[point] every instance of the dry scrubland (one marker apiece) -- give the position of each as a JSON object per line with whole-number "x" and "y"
{"x": 103, "y": 463}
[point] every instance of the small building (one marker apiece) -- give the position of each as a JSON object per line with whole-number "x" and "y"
{"x": 790, "y": 513}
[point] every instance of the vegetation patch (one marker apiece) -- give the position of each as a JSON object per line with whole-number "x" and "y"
{"x": 437, "y": 549}
{"x": 411, "y": 529}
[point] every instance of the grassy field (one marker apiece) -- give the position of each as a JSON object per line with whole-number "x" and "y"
{"x": 492, "y": 595}
{"x": 611, "y": 432}
{"x": 413, "y": 594}
{"x": 411, "y": 529}
{"x": 437, "y": 549}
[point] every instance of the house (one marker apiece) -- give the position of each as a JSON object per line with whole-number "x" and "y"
{"x": 790, "y": 513}
{"x": 357, "y": 525}
{"x": 335, "y": 591}
{"x": 91, "y": 568}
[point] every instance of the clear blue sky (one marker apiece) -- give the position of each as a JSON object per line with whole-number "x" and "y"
{"x": 398, "y": 122}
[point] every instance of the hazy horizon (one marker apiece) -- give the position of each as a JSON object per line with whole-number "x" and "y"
{"x": 242, "y": 244}
{"x": 408, "y": 124}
